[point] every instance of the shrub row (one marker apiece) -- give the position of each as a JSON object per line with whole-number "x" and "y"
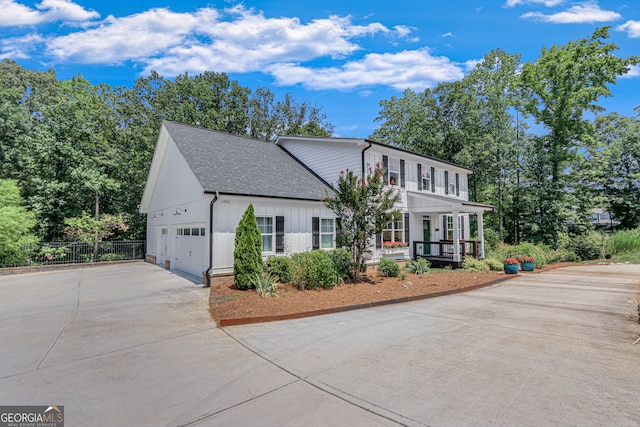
{"x": 312, "y": 270}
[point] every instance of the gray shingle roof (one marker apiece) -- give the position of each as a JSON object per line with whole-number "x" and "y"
{"x": 232, "y": 164}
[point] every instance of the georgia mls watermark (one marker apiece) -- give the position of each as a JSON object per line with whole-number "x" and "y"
{"x": 32, "y": 416}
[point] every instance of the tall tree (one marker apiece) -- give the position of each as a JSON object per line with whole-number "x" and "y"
{"x": 559, "y": 88}
{"x": 16, "y": 224}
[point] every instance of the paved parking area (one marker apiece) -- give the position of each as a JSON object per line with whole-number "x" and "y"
{"x": 133, "y": 345}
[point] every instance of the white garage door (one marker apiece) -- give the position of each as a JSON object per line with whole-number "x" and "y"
{"x": 191, "y": 253}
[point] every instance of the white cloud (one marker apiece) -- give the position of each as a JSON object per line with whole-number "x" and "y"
{"x": 633, "y": 71}
{"x": 19, "y": 47}
{"x": 414, "y": 69}
{"x": 588, "y": 12}
{"x": 632, "y": 28}
{"x": 548, "y": 3}
{"x": 15, "y": 14}
{"x": 136, "y": 37}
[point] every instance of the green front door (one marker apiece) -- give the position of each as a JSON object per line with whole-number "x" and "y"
{"x": 426, "y": 235}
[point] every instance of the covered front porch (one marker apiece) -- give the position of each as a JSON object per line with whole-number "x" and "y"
{"x": 443, "y": 229}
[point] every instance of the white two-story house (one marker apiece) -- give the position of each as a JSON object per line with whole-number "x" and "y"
{"x": 434, "y": 196}
{"x": 201, "y": 182}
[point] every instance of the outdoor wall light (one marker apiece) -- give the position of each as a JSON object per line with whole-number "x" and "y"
{"x": 179, "y": 211}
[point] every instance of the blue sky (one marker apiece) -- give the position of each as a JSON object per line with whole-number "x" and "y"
{"x": 343, "y": 56}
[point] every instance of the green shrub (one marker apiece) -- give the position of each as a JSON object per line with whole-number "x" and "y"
{"x": 625, "y": 241}
{"x": 493, "y": 264}
{"x": 265, "y": 284}
{"x": 311, "y": 270}
{"x": 540, "y": 253}
{"x": 389, "y": 267}
{"x": 491, "y": 239}
{"x": 562, "y": 255}
{"x": 247, "y": 255}
{"x": 343, "y": 262}
{"x": 112, "y": 257}
{"x": 587, "y": 247}
{"x": 280, "y": 267}
{"x": 419, "y": 267}
{"x": 472, "y": 264}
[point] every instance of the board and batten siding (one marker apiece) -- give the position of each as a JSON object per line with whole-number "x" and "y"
{"x": 325, "y": 158}
{"x": 177, "y": 190}
{"x": 297, "y": 214}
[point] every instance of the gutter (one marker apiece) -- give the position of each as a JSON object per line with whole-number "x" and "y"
{"x": 206, "y": 273}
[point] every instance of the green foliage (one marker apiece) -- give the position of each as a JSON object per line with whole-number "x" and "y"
{"x": 493, "y": 263}
{"x": 87, "y": 229}
{"x": 247, "y": 254}
{"x": 626, "y": 241}
{"x": 389, "y": 267}
{"x": 364, "y": 205}
{"x": 50, "y": 253}
{"x": 420, "y": 266}
{"x": 312, "y": 270}
{"x": 16, "y": 223}
{"x": 561, "y": 255}
{"x": 586, "y": 247}
{"x": 265, "y": 284}
{"x": 280, "y": 267}
{"x": 112, "y": 257}
{"x": 472, "y": 264}
{"x": 403, "y": 276}
{"x": 541, "y": 253}
{"x": 343, "y": 262}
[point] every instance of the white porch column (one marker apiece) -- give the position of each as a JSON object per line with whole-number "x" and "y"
{"x": 456, "y": 237}
{"x": 480, "y": 217}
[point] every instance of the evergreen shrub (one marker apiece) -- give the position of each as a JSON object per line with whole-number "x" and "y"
{"x": 247, "y": 255}
{"x": 312, "y": 270}
{"x": 280, "y": 267}
{"x": 389, "y": 267}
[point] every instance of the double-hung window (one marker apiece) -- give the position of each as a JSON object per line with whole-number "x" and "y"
{"x": 426, "y": 179}
{"x": 265, "y": 225}
{"x": 450, "y": 227}
{"x": 394, "y": 231}
{"x": 327, "y": 233}
{"x": 394, "y": 171}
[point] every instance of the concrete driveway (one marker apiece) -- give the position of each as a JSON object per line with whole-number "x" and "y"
{"x": 133, "y": 345}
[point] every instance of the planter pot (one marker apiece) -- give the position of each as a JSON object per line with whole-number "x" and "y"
{"x": 608, "y": 256}
{"x": 511, "y": 269}
{"x": 528, "y": 266}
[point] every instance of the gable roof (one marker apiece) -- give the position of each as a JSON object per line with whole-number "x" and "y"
{"x": 231, "y": 164}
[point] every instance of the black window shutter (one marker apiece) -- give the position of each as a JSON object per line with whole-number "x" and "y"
{"x": 406, "y": 228}
{"x": 444, "y": 227}
{"x": 385, "y": 165}
{"x": 433, "y": 180}
{"x": 279, "y": 234}
{"x": 315, "y": 232}
{"x": 457, "y": 184}
{"x": 402, "y": 173}
{"x": 446, "y": 182}
{"x": 378, "y": 241}
{"x": 338, "y": 232}
{"x": 420, "y": 177}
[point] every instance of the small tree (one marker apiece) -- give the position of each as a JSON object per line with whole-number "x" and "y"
{"x": 16, "y": 223}
{"x": 247, "y": 255}
{"x": 88, "y": 229}
{"x": 364, "y": 205}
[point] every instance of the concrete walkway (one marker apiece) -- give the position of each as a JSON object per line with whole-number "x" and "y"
{"x": 133, "y": 345}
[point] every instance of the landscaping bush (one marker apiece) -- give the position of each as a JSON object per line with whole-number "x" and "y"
{"x": 472, "y": 264}
{"x": 343, "y": 262}
{"x": 311, "y": 270}
{"x": 562, "y": 255}
{"x": 625, "y": 241}
{"x": 265, "y": 284}
{"x": 389, "y": 267}
{"x": 280, "y": 267}
{"x": 586, "y": 247}
{"x": 247, "y": 255}
{"x": 541, "y": 253}
{"x": 494, "y": 264}
{"x": 418, "y": 267}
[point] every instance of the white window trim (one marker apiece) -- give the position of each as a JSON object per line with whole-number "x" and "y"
{"x": 394, "y": 231}
{"x": 394, "y": 163}
{"x": 426, "y": 171}
{"x": 333, "y": 233}
{"x": 450, "y": 226}
{"x": 272, "y": 234}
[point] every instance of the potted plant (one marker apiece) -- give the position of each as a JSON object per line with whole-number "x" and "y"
{"x": 527, "y": 263}
{"x": 511, "y": 266}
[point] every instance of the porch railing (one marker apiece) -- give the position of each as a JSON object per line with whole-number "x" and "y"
{"x": 444, "y": 249}
{"x": 72, "y": 253}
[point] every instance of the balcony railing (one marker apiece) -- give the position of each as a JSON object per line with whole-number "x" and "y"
{"x": 444, "y": 249}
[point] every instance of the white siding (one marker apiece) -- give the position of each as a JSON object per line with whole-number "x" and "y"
{"x": 327, "y": 158}
{"x": 297, "y": 224}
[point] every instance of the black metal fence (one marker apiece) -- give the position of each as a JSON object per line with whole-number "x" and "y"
{"x": 73, "y": 253}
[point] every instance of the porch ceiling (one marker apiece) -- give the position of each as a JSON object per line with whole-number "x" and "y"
{"x": 430, "y": 203}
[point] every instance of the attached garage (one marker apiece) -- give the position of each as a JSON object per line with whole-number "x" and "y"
{"x": 190, "y": 249}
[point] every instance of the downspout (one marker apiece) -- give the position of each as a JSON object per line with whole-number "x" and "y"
{"x": 364, "y": 169}
{"x": 206, "y": 273}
